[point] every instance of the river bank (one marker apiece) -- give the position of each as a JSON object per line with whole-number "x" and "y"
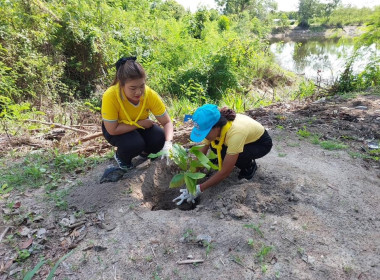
{"x": 298, "y": 33}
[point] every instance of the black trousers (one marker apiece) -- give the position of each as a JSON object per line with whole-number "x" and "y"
{"x": 131, "y": 144}
{"x": 251, "y": 151}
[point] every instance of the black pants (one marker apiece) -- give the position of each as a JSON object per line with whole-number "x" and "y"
{"x": 251, "y": 151}
{"x": 131, "y": 144}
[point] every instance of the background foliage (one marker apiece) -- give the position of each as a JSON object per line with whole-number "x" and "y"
{"x": 65, "y": 50}
{"x": 57, "y": 52}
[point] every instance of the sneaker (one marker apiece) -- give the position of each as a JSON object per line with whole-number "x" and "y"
{"x": 122, "y": 164}
{"x": 247, "y": 173}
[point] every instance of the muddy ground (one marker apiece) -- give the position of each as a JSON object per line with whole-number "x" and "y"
{"x": 308, "y": 213}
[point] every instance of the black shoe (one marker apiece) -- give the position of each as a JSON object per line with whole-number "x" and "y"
{"x": 247, "y": 173}
{"x": 122, "y": 164}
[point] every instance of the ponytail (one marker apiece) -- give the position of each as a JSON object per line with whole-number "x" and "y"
{"x": 127, "y": 68}
{"x": 226, "y": 115}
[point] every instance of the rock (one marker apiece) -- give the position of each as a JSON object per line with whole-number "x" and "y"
{"x": 203, "y": 239}
{"x": 41, "y": 233}
{"x": 24, "y": 231}
{"x": 65, "y": 222}
{"x": 237, "y": 213}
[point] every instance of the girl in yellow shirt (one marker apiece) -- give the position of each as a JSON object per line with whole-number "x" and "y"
{"x": 126, "y": 105}
{"x": 237, "y": 139}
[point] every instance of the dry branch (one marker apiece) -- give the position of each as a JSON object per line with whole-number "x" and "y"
{"x": 87, "y": 138}
{"x": 59, "y": 125}
{"x": 4, "y": 233}
{"x": 190, "y": 261}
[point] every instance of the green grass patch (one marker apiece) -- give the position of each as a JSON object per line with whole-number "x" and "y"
{"x": 304, "y": 133}
{"x": 47, "y": 169}
{"x": 332, "y": 145}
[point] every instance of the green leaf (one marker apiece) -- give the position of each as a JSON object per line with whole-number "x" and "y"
{"x": 195, "y": 176}
{"x": 179, "y": 156}
{"x": 212, "y": 155}
{"x": 177, "y": 181}
{"x": 202, "y": 158}
{"x": 194, "y": 164}
{"x": 51, "y": 274}
{"x": 31, "y": 273}
{"x": 213, "y": 166}
{"x": 196, "y": 148}
{"x": 190, "y": 184}
{"x": 155, "y": 155}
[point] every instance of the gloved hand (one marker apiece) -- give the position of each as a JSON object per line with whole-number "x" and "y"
{"x": 166, "y": 150}
{"x": 188, "y": 196}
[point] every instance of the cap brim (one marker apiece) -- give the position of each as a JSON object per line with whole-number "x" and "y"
{"x": 198, "y": 135}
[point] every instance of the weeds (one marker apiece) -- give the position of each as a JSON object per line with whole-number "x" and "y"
{"x": 208, "y": 246}
{"x": 256, "y": 228}
{"x": 265, "y": 250}
{"x": 332, "y": 145}
{"x": 250, "y": 242}
{"x": 303, "y": 132}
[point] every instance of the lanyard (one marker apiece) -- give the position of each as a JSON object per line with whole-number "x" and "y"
{"x": 129, "y": 120}
{"x": 218, "y": 147}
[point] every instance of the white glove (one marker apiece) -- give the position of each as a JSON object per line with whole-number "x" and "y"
{"x": 165, "y": 150}
{"x": 188, "y": 196}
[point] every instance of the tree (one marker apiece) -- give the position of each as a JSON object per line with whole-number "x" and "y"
{"x": 306, "y": 11}
{"x": 256, "y": 8}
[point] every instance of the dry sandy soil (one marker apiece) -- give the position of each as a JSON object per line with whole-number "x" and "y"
{"x": 308, "y": 213}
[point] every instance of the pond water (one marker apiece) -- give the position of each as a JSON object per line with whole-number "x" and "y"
{"x": 316, "y": 59}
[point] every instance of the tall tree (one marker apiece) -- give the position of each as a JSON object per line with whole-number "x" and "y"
{"x": 306, "y": 11}
{"x": 256, "y": 8}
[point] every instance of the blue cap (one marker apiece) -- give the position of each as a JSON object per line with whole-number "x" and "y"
{"x": 204, "y": 118}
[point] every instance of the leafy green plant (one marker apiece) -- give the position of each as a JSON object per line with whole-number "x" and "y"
{"x": 251, "y": 242}
{"x": 305, "y": 89}
{"x": 5, "y": 189}
{"x": 23, "y": 255}
{"x": 189, "y": 161}
{"x": 68, "y": 162}
{"x": 265, "y": 250}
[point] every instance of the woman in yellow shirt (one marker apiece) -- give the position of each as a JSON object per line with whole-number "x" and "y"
{"x": 237, "y": 139}
{"x": 126, "y": 105}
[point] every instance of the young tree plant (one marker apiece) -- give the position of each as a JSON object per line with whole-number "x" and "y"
{"x": 189, "y": 161}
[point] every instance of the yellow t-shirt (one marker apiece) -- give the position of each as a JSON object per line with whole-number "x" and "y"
{"x": 244, "y": 130}
{"x": 111, "y": 110}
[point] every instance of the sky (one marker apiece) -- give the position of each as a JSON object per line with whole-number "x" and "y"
{"x": 283, "y": 5}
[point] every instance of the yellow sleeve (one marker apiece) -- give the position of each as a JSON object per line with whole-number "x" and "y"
{"x": 156, "y": 106}
{"x": 110, "y": 106}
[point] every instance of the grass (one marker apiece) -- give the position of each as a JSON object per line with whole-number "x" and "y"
{"x": 256, "y": 228}
{"x": 332, "y": 145}
{"x": 264, "y": 251}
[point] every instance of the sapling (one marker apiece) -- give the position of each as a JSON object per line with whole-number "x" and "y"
{"x": 189, "y": 161}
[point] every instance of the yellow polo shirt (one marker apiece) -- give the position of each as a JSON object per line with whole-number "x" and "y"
{"x": 244, "y": 130}
{"x": 111, "y": 110}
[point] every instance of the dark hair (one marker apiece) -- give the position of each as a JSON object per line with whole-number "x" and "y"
{"x": 226, "y": 115}
{"x": 127, "y": 68}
